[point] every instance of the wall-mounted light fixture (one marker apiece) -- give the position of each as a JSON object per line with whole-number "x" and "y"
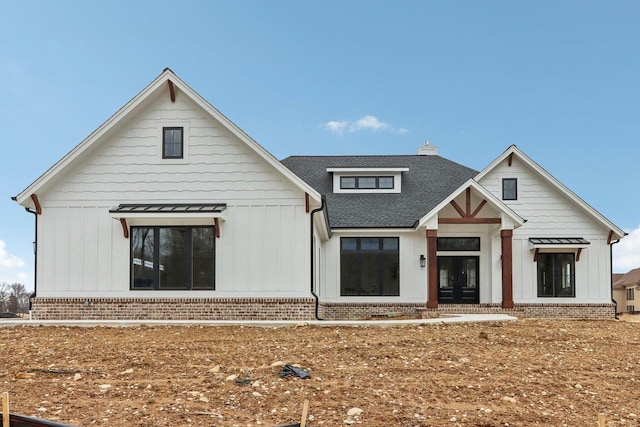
{"x": 423, "y": 261}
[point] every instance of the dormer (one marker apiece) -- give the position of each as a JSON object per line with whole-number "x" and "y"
{"x": 367, "y": 180}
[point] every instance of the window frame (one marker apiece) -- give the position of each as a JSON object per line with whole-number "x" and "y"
{"x": 515, "y": 189}
{"x": 557, "y": 261}
{"x": 357, "y": 179}
{"x": 164, "y": 142}
{"x": 630, "y": 294}
{"x": 381, "y": 266}
{"x": 190, "y": 258}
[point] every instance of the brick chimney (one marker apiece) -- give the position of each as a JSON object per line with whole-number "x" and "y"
{"x": 427, "y": 150}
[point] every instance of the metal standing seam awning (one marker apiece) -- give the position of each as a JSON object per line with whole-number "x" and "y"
{"x": 577, "y": 243}
{"x": 164, "y": 210}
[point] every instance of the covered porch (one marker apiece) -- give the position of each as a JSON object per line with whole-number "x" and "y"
{"x": 469, "y": 251}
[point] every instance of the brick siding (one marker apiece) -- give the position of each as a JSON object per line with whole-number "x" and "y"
{"x": 173, "y": 308}
{"x": 281, "y": 309}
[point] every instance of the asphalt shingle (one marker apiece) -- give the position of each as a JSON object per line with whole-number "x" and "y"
{"x": 429, "y": 180}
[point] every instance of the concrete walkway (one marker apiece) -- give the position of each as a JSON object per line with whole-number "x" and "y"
{"x": 449, "y": 318}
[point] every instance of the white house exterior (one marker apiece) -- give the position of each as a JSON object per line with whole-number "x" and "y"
{"x": 170, "y": 211}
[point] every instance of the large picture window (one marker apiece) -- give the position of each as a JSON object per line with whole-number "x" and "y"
{"x": 556, "y": 275}
{"x": 169, "y": 258}
{"x": 369, "y": 266}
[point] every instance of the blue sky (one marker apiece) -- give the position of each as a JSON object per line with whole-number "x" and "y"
{"x": 559, "y": 79}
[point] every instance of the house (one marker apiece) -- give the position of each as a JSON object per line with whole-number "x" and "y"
{"x": 626, "y": 291}
{"x": 169, "y": 211}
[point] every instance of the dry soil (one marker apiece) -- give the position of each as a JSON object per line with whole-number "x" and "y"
{"x": 523, "y": 373}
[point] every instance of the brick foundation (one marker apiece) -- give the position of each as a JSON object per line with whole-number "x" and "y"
{"x": 281, "y": 309}
{"x": 173, "y": 309}
{"x": 356, "y": 311}
{"x": 573, "y": 311}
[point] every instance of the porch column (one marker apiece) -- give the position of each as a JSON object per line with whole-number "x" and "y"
{"x": 507, "y": 268}
{"x": 432, "y": 265}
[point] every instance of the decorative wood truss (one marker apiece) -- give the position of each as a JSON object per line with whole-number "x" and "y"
{"x": 467, "y": 216}
{"x": 172, "y": 91}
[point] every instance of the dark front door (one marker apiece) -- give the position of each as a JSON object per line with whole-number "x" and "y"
{"x": 458, "y": 280}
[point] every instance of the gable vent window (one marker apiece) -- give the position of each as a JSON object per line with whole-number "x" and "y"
{"x": 366, "y": 182}
{"x": 509, "y": 189}
{"x": 172, "y": 142}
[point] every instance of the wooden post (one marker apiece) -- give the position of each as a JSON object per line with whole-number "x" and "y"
{"x": 602, "y": 420}
{"x": 5, "y": 409}
{"x": 507, "y": 268}
{"x": 305, "y": 410}
{"x": 432, "y": 265}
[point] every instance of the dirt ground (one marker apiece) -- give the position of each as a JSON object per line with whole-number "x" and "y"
{"x": 524, "y": 373}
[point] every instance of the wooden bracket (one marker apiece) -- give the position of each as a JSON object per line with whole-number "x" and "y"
{"x": 578, "y": 254}
{"x": 306, "y": 202}
{"x": 125, "y": 229}
{"x": 172, "y": 91}
{"x": 36, "y": 202}
{"x": 535, "y": 255}
{"x": 216, "y": 222}
{"x": 610, "y": 237}
{"x": 510, "y": 159}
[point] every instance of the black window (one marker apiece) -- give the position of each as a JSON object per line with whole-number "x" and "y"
{"x": 369, "y": 266}
{"x": 509, "y": 189}
{"x": 630, "y": 294}
{"x": 556, "y": 275}
{"x": 173, "y": 258}
{"x": 458, "y": 243}
{"x": 172, "y": 143}
{"x": 366, "y": 182}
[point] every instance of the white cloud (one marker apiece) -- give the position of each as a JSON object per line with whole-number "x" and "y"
{"x": 626, "y": 254}
{"x": 366, "y": 123}
{"x": 8, "y": 260}
{"x": 336, "y": 126}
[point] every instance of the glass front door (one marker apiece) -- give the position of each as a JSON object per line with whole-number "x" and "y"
{"x": 458, "y": 280}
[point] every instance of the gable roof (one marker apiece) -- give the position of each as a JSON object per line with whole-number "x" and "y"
{"x": 618, "y": 233}
{"x": 163, "y": 82}
{"x": 631, "y": 278}
{"x": 516, "y": 219}
{"x": 428, "y": 180}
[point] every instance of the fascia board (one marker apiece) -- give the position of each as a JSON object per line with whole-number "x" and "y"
{"x": 90, "y": 140}
{"x": 167, "y": 74}
{"x": 619, "y": 233}
{"x": 250, "y": 142}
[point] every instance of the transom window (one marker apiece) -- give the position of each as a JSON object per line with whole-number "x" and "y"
{"x": 366, "y": 182}
{"x": 167, "y": 258}
{"x": 458, "y": 243}
{"x": 509, "y": 189}
{"x": 556, "y": 275}
{"x": 369, "y": 266}
{"x": 172, "y": 143}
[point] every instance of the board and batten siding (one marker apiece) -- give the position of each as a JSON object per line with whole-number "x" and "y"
{"x": 263, "y": 250}
{"x": 549, "y": 213}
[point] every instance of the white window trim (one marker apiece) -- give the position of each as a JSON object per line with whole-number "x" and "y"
{"x": 185, "y": 142}
{"x": 396, "y": 173}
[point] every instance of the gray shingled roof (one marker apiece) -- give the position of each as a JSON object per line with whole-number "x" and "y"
{"x": 430, "y": 179}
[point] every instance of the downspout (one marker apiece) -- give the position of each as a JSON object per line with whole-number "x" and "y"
{"x": 35, "y": 257}
{"x": 313, "y": 276}
{"x": 611, "y": 264}
{"x": 35, "y": 252}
